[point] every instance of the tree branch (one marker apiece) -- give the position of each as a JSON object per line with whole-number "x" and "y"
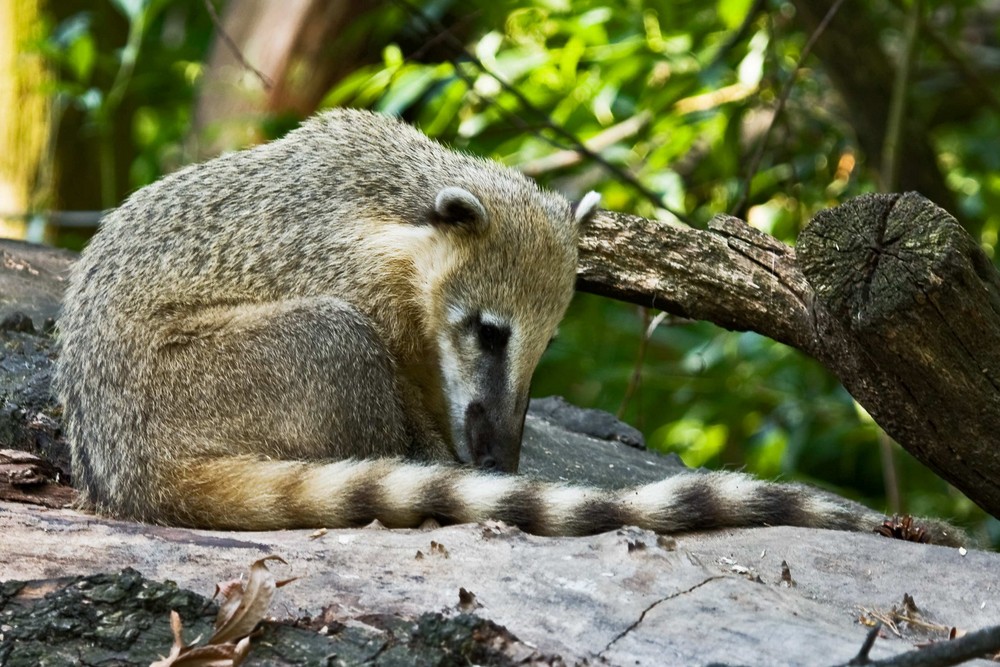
{"x": 887, "y": 291}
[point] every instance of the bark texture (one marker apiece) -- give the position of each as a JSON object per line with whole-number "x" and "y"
{"x": 761, "y": 596}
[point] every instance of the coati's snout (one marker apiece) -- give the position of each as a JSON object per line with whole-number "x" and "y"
{"x": 494, "y": 440}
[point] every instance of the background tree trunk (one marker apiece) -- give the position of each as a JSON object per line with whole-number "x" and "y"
{"x": 300, "y": 48}
{"x": 24, "y": 116}
{"x": 853, "y": 58}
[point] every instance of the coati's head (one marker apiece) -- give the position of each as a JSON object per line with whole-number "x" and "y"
{"x": 498, "y": 279}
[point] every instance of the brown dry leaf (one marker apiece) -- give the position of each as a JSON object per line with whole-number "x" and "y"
{"x": 244, "y": 605}
{"x": 904, "y": 528}
{"x": 213, "y": 655}
{"x": 178, "y": 647}
{"x": 216, "y": 655}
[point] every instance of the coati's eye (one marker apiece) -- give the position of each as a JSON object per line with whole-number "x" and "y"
{"x": 492, "y": 337}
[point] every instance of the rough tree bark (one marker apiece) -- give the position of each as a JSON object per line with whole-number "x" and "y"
{"x": 887, "y": 291}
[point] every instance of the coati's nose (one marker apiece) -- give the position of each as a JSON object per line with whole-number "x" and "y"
{"x": 493, "y": 444}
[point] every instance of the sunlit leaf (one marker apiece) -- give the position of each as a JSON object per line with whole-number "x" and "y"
{"x": 408, "y": 86}
{"x": 132, "y": 9}
{"x": 733, "y": 12}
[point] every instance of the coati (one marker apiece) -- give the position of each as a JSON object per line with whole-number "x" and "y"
{"x": 341, "y": 326}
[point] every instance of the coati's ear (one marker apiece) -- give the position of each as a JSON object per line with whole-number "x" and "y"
{"x": 586, "y": 208}
{"x": 460, "y": 208}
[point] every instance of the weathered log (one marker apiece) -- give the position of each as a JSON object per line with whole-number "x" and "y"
{"x": 627, "y": 597}
{"x": 732, "y": 275}
{"x": 917, "y": 299}
{"x": 887, "y": 291}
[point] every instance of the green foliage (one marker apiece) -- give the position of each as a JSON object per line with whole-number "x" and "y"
{"x": 700, "y": 80}
{"x": 127, "y": 73}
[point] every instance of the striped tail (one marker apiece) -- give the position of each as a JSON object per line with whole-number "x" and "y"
{"x": 243, "y": 493}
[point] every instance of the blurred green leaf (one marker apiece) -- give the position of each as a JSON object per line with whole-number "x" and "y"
{"x": 80, "y": 56}
{"x": 733, "y": 12}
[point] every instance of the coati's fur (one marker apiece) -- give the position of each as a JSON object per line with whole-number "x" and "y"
{"x": 315, "y": 332}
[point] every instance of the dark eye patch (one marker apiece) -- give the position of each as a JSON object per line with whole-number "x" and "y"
{"x": 492, "y": 338}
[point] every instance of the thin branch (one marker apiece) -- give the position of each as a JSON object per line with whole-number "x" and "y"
{"x": 265, "y": 80}
{"x": 569, "y": 157}
{"x": 431, "y": 26}
{"x": 889, "y": 178}
{"x": 897, "y": 107}
{"x": 980, "y": 644}
{"x": 961, "y": 63}
{"x": 779, "y": 107}
{"x": 890, "y": 472}
{"x": 866, "y": 646}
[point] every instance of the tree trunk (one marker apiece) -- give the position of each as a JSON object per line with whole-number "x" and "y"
{"x": 298, "y": 49}
{"x": 24, "y": 116}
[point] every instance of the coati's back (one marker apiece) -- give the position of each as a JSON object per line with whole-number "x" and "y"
{"x": 307, "y": 214}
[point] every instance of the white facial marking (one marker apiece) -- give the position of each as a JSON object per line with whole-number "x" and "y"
{"x": 455, "y": 315}
{"x": 493, "y": 320}
{"x": 457, "y": 394}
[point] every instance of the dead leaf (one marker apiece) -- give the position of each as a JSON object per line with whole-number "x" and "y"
{"x": 786, "y": 575}
{"x": 213, "y": 655}
{"x": 244, "y": 605}
{"x": 904, "y": 528}
{"x": 467, "y": 600}
{"x": 178, "y": 647}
